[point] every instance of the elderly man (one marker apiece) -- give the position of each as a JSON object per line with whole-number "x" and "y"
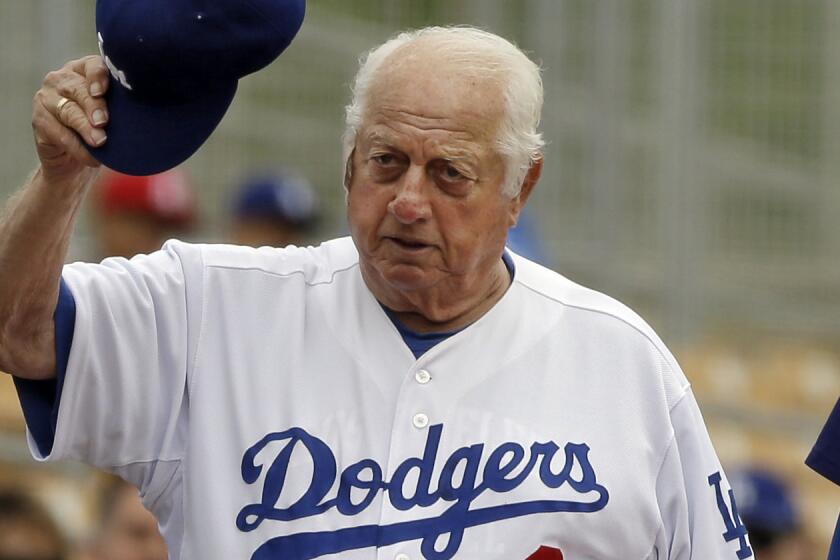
{"x": 415, "y": 391}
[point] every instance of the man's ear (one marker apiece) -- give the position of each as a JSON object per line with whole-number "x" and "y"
{"x": 532, "y": 177}
{"x": 348, "y": 169}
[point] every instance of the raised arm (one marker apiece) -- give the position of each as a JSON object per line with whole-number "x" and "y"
{"x": 37, "y": 222}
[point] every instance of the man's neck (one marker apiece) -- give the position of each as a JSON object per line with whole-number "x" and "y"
{"x": 443, "y": 307}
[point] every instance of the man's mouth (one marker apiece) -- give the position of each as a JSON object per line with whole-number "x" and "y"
{"x": 408, "y": 244}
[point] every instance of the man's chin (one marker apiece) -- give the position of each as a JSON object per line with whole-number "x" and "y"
{"x": 407, "y": 277}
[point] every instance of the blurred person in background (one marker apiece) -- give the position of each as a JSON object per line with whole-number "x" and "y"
{"x": 771, "y": 515}
{"x": 134, "y": 215}
{"x": 275, "y": 210}
{"x": 126, "y": 531}
{"x": 526, "y": 239}
{"x": 27, "y": 531}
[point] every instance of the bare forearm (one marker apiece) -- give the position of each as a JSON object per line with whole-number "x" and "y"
{"x": 36, "y": 224}
{"x": 35, "y": 232}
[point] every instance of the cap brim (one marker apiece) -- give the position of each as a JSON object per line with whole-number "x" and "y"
{"x": 148, "y": 138}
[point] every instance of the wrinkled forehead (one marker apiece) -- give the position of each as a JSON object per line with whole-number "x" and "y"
{"x": 429, "y": 82}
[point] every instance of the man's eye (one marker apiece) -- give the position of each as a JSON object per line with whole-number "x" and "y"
{"x": 452, "y": 173}
{"x": 384, "y": 159}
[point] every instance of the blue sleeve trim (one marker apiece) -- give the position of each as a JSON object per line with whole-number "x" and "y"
{"x": 40, "y": 399}
{"x": 824, "y": 465}
{"x": 834, "y": 553}
{"x": 825, "y": 456}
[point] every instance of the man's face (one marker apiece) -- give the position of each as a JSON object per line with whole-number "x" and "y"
{"x": 131, "y": 532}
{"x": 425, "y": 202}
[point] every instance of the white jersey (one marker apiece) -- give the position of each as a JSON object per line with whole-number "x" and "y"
{"x": 268, "y": 408}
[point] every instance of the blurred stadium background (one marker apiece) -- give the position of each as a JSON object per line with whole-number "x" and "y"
{"x": 692, "y": 171}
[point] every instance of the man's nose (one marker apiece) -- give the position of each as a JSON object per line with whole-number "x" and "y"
{"x": 410, "y": 203}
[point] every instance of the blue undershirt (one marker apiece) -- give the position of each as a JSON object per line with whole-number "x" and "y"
{"x": 40, "y": 399}
{"x": 420, "y": 343}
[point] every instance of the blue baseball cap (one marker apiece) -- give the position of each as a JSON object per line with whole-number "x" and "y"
{"x": 278, "y": 197}
{"x": 764, "y": 501}
{"x": 175, "y": 65}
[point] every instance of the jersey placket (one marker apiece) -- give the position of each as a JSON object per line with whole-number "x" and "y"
{"x": 417, "y": 412}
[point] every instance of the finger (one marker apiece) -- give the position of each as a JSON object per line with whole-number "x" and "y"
{"x": 76, "y": 150}
{"x": 73, "y": 116}
{"x": 56, "y": 142}
{"x": 75, "y": 88}
{"x": 97, "y": 75}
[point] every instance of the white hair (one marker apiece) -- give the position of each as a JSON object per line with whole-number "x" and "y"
{"x": 486, "y": 55}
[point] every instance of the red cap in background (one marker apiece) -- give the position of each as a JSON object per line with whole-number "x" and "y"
{"x": 167, "y": 196}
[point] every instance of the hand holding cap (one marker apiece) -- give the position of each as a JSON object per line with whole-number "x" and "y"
{"x": 175, "y": 65}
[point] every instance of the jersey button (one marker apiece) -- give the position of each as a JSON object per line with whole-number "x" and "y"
{"x": 402, "y": 557}
{"x": 420, "y": 420}
{"x": 422, "y": 376}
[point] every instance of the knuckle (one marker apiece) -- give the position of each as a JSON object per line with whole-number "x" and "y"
{"x": 72, "y": 63}
{"x": 41, "y": 142}
{"x": 38, "y": 121}
{"x": 38, "y": 111}
{"x": 39, "y": 98}
{"x": 95, "y": 63}
{"x": 69, "y": 140}
{"x": 63, "y": 89}
{"x": 80, "y": 94}
{"x": 78, "y": 121}
{"x": 79, "y": 89}
{"x": 52, "y": 77}
{"x": 71, "y": 89}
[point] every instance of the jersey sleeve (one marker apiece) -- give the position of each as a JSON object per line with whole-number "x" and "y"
{"x": 825, "y": 456}
{"x": 123, "y": 405}
{"x": 40, "y": 399}
{"x": 698, "y": 508}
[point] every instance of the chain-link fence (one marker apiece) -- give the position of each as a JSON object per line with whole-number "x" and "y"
{"x": 693, "y": 147}
{"x": 691, "y": 161}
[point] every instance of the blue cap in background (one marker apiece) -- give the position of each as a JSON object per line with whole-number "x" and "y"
{"x": 278, "y": 197}
{"x": 526, "y": 240}
{"x": 174, "y": 68}
{"x": 764, "y": 501}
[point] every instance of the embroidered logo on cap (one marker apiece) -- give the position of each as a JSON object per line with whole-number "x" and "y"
{"x": 118, "y": 74}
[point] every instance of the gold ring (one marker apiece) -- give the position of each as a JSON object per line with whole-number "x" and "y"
{"x": 62, "y": 101}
